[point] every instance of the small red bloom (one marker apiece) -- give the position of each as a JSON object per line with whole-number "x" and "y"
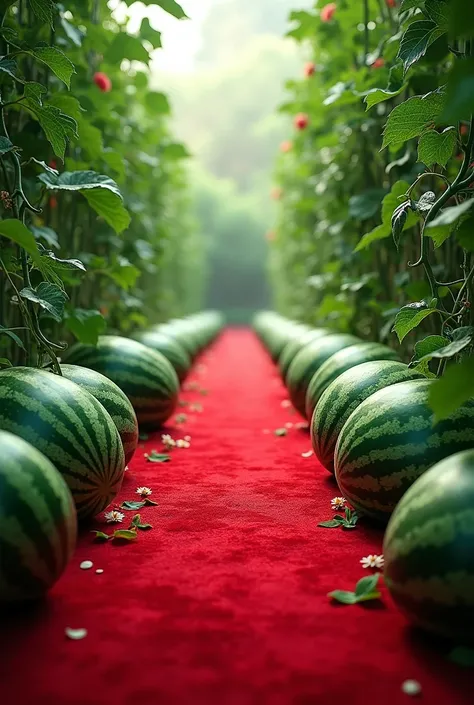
{"x": 286, "y": 146}
{"x": 102, "y": 81}
{"x": 328, "y": 11}
{"x": 53, "y": 203}
{"x": 309, "y": 69}
{"x": 464, "y": 130}
{"x": 301, "y": 121}
{"x": 53, "y": 164}
{"x": 391, "y": 3}
{"x": 378, "y": 63}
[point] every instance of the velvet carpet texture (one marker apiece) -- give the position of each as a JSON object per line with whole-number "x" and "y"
{"x": 224, "y": 601}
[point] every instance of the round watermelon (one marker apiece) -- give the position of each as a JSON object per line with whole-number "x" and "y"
{"x": 146, "y": 376}
{"x": 339, "y": 363}
{"x": 390, "y": 440}
{"x": 114, "y": 401}
{"x": 295, "y": 345}
{"x": 308, "y": 361}
{"x": 168, "y": 347}
{"x": 428, "y": 549}
{"x": 344, "y": 395}
{"x": 38, "y": 521}
{"x": 71, "y": 428}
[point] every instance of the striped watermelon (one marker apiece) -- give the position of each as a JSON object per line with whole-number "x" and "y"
{"x": 168, "y": 347}
{"x": 344, "y": 395}
{"x": 390, "y": 440}
{"x": 295, "y": 345}
{"x": 308, "y": 361}
{"x": 38, "y": 521}
{"x": 339, "y": 363}
{"x": 114, "y": 401}
{"x": 70, "y": 427}
{"x": 146, "y": 376}
{"x": 429, "y": 549}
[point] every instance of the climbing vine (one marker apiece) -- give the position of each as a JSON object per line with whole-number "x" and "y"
{"x": 375, "y": 225}
{"x": 96, "y": 230}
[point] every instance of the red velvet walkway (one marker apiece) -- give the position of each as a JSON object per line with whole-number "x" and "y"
{"x": 224, "y": 601}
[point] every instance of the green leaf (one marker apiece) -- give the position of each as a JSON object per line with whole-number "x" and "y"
{"x": 15, "y": 231}
{"x": 365, "y": 205}
{"x": 410, "y": 4}
{"x": 157, "y": 103}
{"x": 437, "y": 147}
{"x": 150, "y": 503}
{"x": 175, "y": 150}
{"x": 411, "y": 118}
{"x": 101, "y": 536}
{"x": 399, "y": 219}
{"x": 344, "y": 596}
{"x": 125, "y": 534}
{"x": 43, "y": 9}
{"x": 110, "y": 207}
{"x": 136, "y": 521}
{"x": 125, "y": 46}
{"x": 10, "y": 334}
{"x": 58, "y": 62}
{"x": 465, "y": 234}
{"x": 5, "y": 146}
{"x": 439, "y": 12}
{"x": 459, "y": 92}
{"x": 53, "y": 268}
{"x": 280, "y": 432}
{"x": 452, "y": 349}
{"x": 9, "y": 67}
{"x": 131, "y": 505}
{"x": 448, "y": 216}
{"x": 90, "y": 138}
{"x": 463, "y": 656}
{"x": 332, "y": 523}
{"x": 377, "y": 95}
{"x": 67, "y": 104}
{"x": 379, "y": 233}
{"x": 149, "y": 34}
{"x": 172, "y": 8}
{"x": 450, "y": 392}
{"x": 115, "y": 161}
{"x": 390, "y": 203}
{"x": 50, "y": 297}
{"x": 42, "y": 232}
{"x": 86, "y": 325}
{"x": 57, "y": 126}
{"x": 417, "y": 39}
{"x": 155, "y": 457}
{"x": 367, "y": 585}
{"x": 426, "y": 202}
{"x": 5, "y": 362}
{"x": 409, "y": 317}
{"x": 123, "y": 273}
{"x": 73, "y": 33}
{"x": 424, "y": 348}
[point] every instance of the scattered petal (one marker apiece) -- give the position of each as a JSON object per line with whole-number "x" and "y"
{"x": 181, "y": 443}
{"x": 301, "y": 425}
{"x": 187, "y": 438}
{"x": 99, "y": 571}
{"x": 289, "y": 424}
{"x": 308, "y": 454}
{"x": 286, "y": 403}
{"x": 75, "y": 634}
{"x": 411, "y": 687}
{"x": 338, "y": 503}
{"x": 85, "y": 565}
{"x": 372, "y": 561}
{"x": 114, "y": 517}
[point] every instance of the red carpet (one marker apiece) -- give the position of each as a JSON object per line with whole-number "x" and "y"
{"x": 224, "y": 601}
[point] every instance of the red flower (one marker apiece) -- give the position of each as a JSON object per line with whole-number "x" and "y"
{"x": 328, "y": 11}
{"x": 378, "y": 63}
{"x": 286, "y": 146}
{"x": 309, "y": 69}
{"x": 301, "y": 121}
{"x": 103, "y": 82}
{"x": 464, "y": 130}
{"x": 391, "y": 3}
{"x": 53, "y": 203}
{"x": 53, "y": 164}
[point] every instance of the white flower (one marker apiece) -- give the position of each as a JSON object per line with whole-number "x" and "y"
{"x": 167, "y": 441}
{"x": 187, "y": 438}
{"x": 114, "y": 517}
{"x": 372, "y": 561}
{"x": 308, "y": 454}
{"x": 181, "y": 443}
{"x": 144, "y": 491}
{"x": 286, "y": 403}
{"x": 338, "y": 502}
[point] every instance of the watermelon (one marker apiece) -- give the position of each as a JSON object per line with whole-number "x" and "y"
{"x": 114, "y": 401}
{"x": 390, "y": 440}
{"x": 295, "y": 345}
{"x": 339, "y": 363}
{"x": 146, "y": 376}
{"x": 169, "y": 347}
{"x": 71, "y": 428}
{"x": 428, "y": 549}
{"x": 38, "y": 522}
{"x": 344, "y": 395}
{"x": 308, "y": 361}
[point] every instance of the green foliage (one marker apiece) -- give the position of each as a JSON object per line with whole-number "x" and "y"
{"x": 390, "y": 112}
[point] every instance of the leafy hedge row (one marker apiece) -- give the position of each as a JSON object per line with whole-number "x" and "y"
{"x": 375, "y": 232}
{"x": 96, "y": 224}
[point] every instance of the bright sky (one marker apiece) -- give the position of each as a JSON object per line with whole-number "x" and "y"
{"x": 180, "y": 38}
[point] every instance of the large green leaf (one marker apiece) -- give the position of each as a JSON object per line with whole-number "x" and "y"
{"x": 149, "y": 34}
{"x": 5, "y": 146}
{"x": 389, "y": 204}
{"x": 409, "y": 317}
{"x": 171, "y": 7}
{"x": 379, "y": 95}
{"x": 109, "y": 206}
{"x": 12, "y": 335}
{"x": 125, "y": 46}
{"x": 157, "y": 103}
{"x": 79, "y": 181}
{"x": 450, "y": 215}
{"x": 411, "y": 118}
{"x": 49, "y": 297}
{"x": 417, "y": 39}
{"x": 8, "y": 66}
{"x": 43, "y": 232}
{"x": 15, "y": 231}
{"x": 86, "y": 325}
{"x": 453, "y": 389}
{"x": 43, "y": 9}
{"x": 54, "y": 268}
{"x": 437, "y": 147}
{"x": 175, "y": 150}
{"x": 56, "y": 61}
{"x": 57, "y": 126}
